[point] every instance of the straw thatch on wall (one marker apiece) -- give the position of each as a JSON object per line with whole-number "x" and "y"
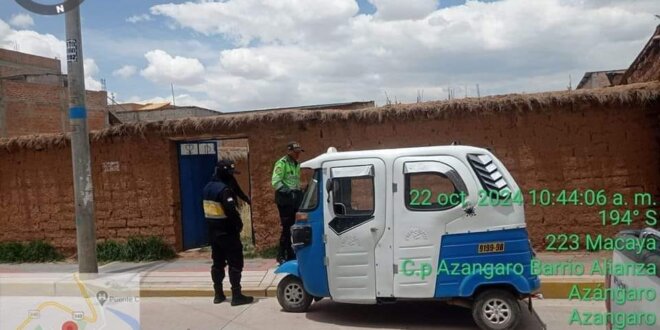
{"x": 234, "y": 154}
{"x": 642, "y": 93}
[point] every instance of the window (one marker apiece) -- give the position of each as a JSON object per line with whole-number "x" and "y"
{"x": 433, "y": 186}
{"x": 311, "y": 199}
{"x": 353, "y": 196}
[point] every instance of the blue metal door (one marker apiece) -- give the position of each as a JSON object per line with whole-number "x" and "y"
{"x": 196, "y": 164}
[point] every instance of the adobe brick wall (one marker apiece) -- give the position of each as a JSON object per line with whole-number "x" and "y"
{"x": 577, "y": 147}
{"x": 27, "y": 108}
{"x": 615, "y": 149}
{"x": 142, "y": 198}
{"x": 37, "y": 193}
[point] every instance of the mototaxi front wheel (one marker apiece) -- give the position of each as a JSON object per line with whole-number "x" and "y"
{"x": 292, "y": 296}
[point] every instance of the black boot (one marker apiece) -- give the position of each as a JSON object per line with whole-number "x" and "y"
{"x": 281, "y": 254}
{"x": 219, "y": 297}
{"x": 237, "y": 298}
{"x": 219, "y": 294}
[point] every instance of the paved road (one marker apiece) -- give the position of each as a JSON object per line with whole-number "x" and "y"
{"x": 199, "y": 313}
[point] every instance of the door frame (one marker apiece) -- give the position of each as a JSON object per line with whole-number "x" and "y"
{"x": 422, "y": 239}
{"x": 176, "y": 177}
{"x": 348, "y": 240}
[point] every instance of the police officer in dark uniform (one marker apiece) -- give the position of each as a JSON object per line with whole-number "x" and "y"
{"x": 225, "y": 227}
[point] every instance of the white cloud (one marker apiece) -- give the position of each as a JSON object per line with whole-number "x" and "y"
{"x": 268, "y": 21}
{"x": 504, "y": 46}
{"x": 401, "y": 10}
{"x": 91, "y": 71}
{"x": 125, "y": 71}
{"x": 165, "y": 69}
{"x": 139, "y": 18}
{"x": 251, "y": 64}
{"x": 134, "y": 46}
{"x": 21, "y": 21}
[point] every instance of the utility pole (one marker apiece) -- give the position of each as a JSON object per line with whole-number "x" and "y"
{"x": 82, "y": 169}
{"x": 173, "y": 99}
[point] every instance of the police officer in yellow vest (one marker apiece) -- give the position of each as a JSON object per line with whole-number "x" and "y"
{"x": 225, "y": 227}
{"x": 288, "y": 195}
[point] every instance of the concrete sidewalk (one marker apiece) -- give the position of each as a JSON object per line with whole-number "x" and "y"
{"x": 191, "y": 277}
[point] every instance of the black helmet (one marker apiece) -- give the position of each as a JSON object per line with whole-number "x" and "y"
{"x": 225, "y": 167}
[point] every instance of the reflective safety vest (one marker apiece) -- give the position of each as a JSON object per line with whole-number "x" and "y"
{"x": 286, "y": 173}
{"x": 212, "y": 208}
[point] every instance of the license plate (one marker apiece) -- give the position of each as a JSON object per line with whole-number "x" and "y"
{"x": 491, "y": 247}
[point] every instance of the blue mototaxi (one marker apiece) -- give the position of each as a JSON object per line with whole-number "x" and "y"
{"x": 443, "y": 223}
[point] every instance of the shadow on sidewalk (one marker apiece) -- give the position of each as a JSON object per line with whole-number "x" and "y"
{"x": 130, "y": 267}
{"x": 402, "y": 315}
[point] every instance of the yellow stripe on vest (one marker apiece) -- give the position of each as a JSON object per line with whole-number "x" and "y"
{"x": 213, "y": 210}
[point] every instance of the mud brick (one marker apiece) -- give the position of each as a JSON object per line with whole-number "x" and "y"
{"x": 151, "y": 231}
{"x": 68, "y": 224}
{"x": 53, "y": 234}
{"x": 50, "y": 226}
{"x": 127, "y": 232}
{"x": 138, "y": 222}
{"x": 115, "y": 223}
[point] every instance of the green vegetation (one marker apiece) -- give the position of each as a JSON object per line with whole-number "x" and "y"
{"x": 135, "y": 249}
{"x": 34, "y": 251}
{"x": 249, "y": 252}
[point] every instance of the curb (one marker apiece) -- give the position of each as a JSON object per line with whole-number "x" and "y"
{"x": 196, "y": 292}
{"x": 555, "y": 288}
{"x": 560, "y": 288}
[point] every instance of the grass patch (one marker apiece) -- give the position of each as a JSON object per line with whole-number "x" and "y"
{"x": 249, "y": 252}
{"x": 135, "y": 249}
{"x": 34, "y": 251}
{"x": 269, "y": 253}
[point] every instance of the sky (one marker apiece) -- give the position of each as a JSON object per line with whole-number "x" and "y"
{"x": 235, "y": 55}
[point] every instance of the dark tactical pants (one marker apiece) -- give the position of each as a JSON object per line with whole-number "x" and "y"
{"x": 287, "y": 219}
{"x": 226, "y": 250}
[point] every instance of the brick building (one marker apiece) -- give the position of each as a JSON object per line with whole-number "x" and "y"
{"x": 135, "y": 112}
{"x": 34, "y": 97}
{"x": 599, "y": 79}
{"x": 645, "y": 67}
